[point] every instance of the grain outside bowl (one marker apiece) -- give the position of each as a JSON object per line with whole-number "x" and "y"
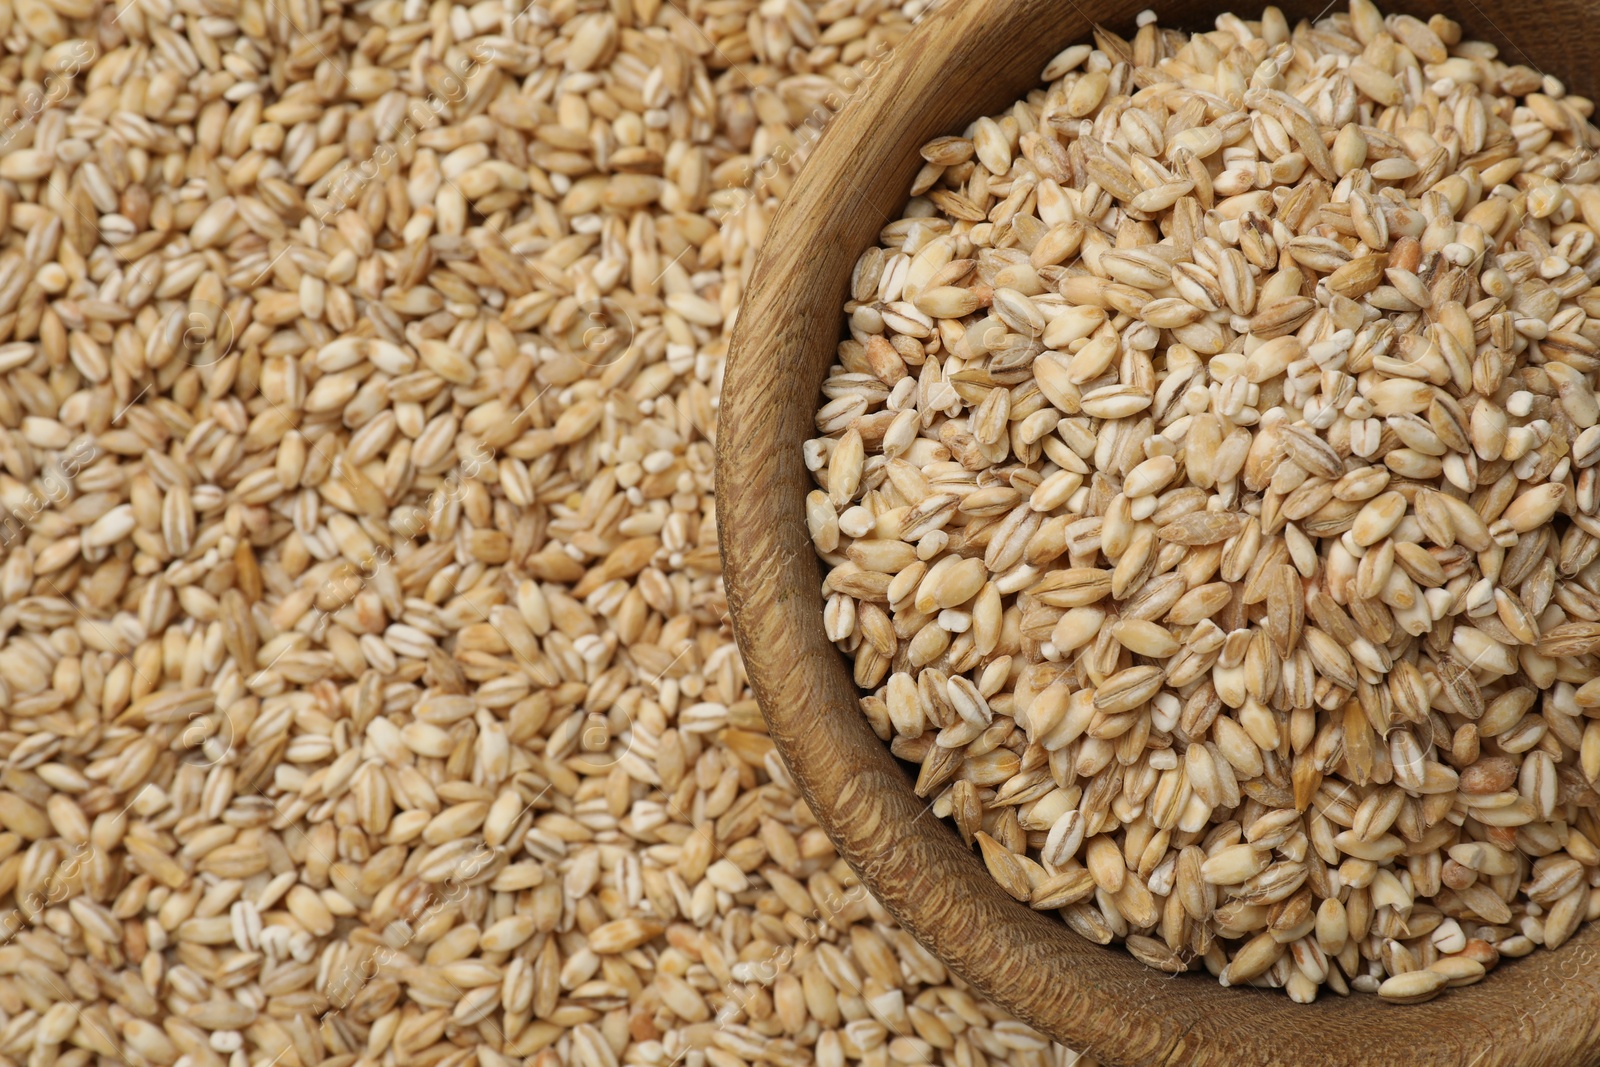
{"x": 1539, "y": 1010}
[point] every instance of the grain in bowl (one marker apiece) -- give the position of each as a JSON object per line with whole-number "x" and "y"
{"x": 1207, "y": 491}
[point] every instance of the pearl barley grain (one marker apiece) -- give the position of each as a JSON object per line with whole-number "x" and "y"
{"x": 1255, "y": 390}
{"x": 366, "y": 694}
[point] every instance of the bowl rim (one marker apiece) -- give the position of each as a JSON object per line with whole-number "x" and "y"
{"x": 1094, "y": 999}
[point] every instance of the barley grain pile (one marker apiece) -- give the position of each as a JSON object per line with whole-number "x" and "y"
{"x": 1209, "y": 493}
{"x": 367, "y": 695}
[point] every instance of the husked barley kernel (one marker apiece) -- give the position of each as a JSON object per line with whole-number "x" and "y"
{"x": 1240, "y": 389}
{"x": 366, "y": 688}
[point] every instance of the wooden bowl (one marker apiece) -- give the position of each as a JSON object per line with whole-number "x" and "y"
{"x": 972, "y": 58}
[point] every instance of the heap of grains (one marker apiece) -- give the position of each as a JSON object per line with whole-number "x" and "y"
{"x": 1210, "y": 501}
{"x": 366, "y": 691}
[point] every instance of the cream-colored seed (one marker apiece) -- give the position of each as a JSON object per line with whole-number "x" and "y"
{"x": 1267, "y": 429}
{"x": 367, "y": 685}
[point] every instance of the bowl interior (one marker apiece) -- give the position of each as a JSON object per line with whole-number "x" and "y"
{"x": 968, "y": 59}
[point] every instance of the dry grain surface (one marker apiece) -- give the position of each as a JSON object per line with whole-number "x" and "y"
{"x": 1208, "y": 497}
{"x": 366, "y": 692}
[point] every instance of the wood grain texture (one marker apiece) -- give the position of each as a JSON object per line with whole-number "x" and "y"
{"x": 973, "y": 58}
